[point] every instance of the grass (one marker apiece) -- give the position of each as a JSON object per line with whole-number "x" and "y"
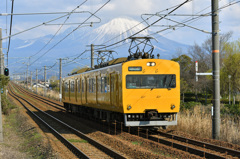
{"x": 136, "y": 143}
{"x": 76, "y": 140}
{"x": 198, "y": 122}
{"x": 21, "y": 139}
{"x": 50, "y": 93}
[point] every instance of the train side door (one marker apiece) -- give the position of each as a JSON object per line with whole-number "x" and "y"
{"x": 97, "y": 89}
{"x": 114, "y": 91}
{"x": 83, "y": 97}
{"x": 86, "y": 84}
{"x": 75, "y": 89}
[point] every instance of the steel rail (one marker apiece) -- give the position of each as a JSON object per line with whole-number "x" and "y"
{"x": 107, "y": 150}
{"x": 221, "y": 149}
{"x": 38, "y": 95}
{"x": 69, "y": 145}
{"x": 39, "y": 98}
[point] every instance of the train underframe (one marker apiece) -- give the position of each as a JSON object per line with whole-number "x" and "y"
{"x": 150, "y": 118}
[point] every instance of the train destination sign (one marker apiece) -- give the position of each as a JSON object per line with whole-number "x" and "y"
{"x": 134, "y": 68}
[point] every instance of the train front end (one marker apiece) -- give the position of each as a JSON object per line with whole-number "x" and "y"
{"x": 151, "y": 92}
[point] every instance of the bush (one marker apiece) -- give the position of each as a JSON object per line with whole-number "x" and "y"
{"x": 188, "y": 105}
{"x": 229, "y": 109}
{"x": 6, "y": 106}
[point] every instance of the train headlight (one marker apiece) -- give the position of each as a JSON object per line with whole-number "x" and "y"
{"x": 129, "y": 107}
{"x": 151, "y": 64}
{"x": 173, "y": 106}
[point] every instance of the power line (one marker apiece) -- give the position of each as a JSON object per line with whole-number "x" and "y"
{"x": 10, "y": 31}
{"x": 69, "y": 14}
{"x": 147, "y": 26}
{"x": 139, "y": 24}
{"x": 35, "y": 26}
{"x": 71, "y": 32}
{"x": 17, "y": 14}
{"x": 191, "y": 20}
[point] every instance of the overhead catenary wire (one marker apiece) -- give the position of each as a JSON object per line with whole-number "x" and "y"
{"x": 137, "y": 25}
{"x": 69, "y": 14}
{"x": 10, "y": 31}
{"x": 193, "y": 19}
{"x": 185, "y": 22}
{"x": 70, "y": 32}
{"x": 147, "y": 26}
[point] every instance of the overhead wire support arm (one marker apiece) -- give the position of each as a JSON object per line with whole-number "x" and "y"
{"x": 180, "y": 5}
{"x": 72, "y": 31}
{"x": 187, "y": 15}
{"x": 16, "y": 14}
{"x": 44, "y": 23}
{"x": 173, "y": 26}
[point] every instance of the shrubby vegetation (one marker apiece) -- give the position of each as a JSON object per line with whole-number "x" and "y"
{"x": 192, "y": 91}
{"x": 6, "y": 106}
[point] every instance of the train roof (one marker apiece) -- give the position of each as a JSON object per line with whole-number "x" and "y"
{"x": 108, "y": 63}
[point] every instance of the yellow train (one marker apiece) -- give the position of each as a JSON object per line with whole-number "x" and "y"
{"x": 143, "y": 92}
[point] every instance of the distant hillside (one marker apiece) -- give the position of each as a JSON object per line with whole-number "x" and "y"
{"x": 109, "y": 33}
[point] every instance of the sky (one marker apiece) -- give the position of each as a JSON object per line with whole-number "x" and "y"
{"x": 229, "y": 17}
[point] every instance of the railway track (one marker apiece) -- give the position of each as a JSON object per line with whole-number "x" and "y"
{"x": 191, "y": 146}
{"x": 225, "y": 152}
{"x": 195, "y": 147}
{"x": 42, "y": 99}
{"x": 64, "y": 132}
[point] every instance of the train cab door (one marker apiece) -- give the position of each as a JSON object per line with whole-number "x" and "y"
{"x": 114, "y": 91}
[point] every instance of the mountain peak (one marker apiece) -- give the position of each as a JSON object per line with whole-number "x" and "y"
{"x": 120, "y": 28}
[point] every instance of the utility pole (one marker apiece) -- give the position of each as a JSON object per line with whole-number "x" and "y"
{"x": 31, "y": 81}
{"x": 229, "y": 77}
{"x": 24, "y": 79}
{"x": 36, "y": 81}
{"x": 1, "y": 72}
{"x": 27, "y": 76}
{"x": 60, "y": 80}
{"x": 92, "y": 56}
{"x": 45, "y": 81}
{"x": 215, "y": 65}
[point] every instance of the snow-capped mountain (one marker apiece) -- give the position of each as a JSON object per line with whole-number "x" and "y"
{"x": 107, "y": 34}
{"x": 117, "y": 30}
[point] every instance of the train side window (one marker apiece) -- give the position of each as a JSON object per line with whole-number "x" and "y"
{"x": 82, "y": 85}
{"x": 93, "y": 84}
{"x": 105, "y": 85}
{"x": 66, "y": 87}
{"x": 89, "y": 85}
{"x": 78, "y": 86}
{"x": 99, "y": 86}
{"x": 72, "y": 86}
{"x": 102, "y": 84}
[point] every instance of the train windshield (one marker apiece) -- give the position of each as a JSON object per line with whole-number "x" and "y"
{"x": 150, "y": 81}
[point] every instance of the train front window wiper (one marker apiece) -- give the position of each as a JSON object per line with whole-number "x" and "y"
{"x": 170, "y": 83}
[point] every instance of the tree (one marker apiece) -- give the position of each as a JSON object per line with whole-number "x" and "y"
{"x": 54, "y": 83}
{"x": 231, "y": 65}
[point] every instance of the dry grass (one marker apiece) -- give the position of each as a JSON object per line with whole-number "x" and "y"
{"x": 50, "y": 93}
{"x": 198, "y": 122}
{"x": 21, "y": 139}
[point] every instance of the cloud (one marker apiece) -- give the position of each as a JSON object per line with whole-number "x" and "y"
{"x": 229, "y": 16}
